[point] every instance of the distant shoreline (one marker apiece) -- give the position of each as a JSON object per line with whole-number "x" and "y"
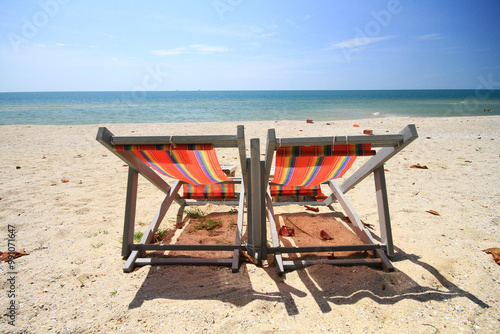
{"x": 253, "y": 90}
{"x": 259, "y": 123}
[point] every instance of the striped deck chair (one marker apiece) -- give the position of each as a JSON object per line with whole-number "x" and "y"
{"x": 192, "y": 162}
{"x": 304, "y": 164}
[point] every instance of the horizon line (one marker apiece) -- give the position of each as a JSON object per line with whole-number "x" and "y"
{"x": 240, "y": 90}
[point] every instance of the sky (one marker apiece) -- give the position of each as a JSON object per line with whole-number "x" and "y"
{"x": 69, "y": 45}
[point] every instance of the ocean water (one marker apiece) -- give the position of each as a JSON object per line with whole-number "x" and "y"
{"x": 72, "y": 108}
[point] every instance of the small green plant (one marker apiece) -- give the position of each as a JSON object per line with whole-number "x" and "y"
{"x": 112, "y": 293}
{"x": 232, "y": 223}
{"x": 207, "y": 224}
{"x": 141, "y": 223}
{"x": 138, "y": 236}
{"x": 210, "y": 224}
{"x": 99, "y": 244}
{"x": 195, "y": 213}
{"x": 233, "y": 210}
{"x": 159, "y": 235}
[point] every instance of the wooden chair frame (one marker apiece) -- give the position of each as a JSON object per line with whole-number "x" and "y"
{"x": 389, "y": 146}
{"x": 133, "y": 251}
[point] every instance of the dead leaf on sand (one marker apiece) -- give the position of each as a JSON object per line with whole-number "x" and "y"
{"x": 287, "y": 231}
{"x": 435, "y": 213}
{"x": 325, "y": 235}
{"x": 64, "y": 180}
{"x": 310, "y": 208}
{"x": 419, "y": 166}
{"x": 495, "y": 252}
{"x": 4, "y": 256}
{"x": 245, "y": 257}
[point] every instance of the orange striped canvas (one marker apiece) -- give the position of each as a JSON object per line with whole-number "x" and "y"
{"x": 280, "y": 190}
{"x": 194, "y": 164}
{"x": 210, "y": 191}
{"x": 310, "y": 166}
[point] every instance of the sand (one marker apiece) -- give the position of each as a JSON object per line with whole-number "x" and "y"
{"x": 72, "y": 280}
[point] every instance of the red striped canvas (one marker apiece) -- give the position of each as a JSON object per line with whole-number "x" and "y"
{"x": 312, "y": 165}
{"x": 210, "y": 191}
{"x": 194, "y": 164}
{"x": 280, "y": 190}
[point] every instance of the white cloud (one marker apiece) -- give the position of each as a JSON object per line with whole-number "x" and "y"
{"x": 169, "y": 52}
{"x": 75, "y": 45}
{"x": 359, "y": 41}
{"x": 108, "y": 35}
{"x": 201, "y": 48}
{"x": 241, "y": 31}
{"x": 191, "y": 49}
{"x": 430, "y": 37}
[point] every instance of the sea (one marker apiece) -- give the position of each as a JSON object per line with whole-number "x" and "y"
{"x": 74, "y": 108}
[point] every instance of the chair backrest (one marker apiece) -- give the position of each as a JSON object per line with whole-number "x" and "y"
{"x": 312, "y": 165}
{"x": 193, "y": 164}
{"x": 191, "y": 159}
{"x": 310, "y": 161}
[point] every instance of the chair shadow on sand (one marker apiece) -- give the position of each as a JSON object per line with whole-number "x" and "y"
{"x": 201, "y": 282}
{"x": 343, "y": 286}
{"x": 328, "y": 285}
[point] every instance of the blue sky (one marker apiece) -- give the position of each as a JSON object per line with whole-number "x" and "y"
{"x": 69, "y": 45}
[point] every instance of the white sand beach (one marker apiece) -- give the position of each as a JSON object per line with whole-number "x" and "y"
{"x": 71, "y": 281}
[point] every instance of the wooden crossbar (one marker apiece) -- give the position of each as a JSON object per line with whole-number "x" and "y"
{"x": 322, "y": 249}
{"x": 374, "y": 140}
{"x": 184, "y": 261}
{"x": 215, "y": 141}
{"x": 295, "y": 264}
{"x": 185, "y": 247}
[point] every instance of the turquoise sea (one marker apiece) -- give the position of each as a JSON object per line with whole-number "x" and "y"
{"x": 59, "y": 108}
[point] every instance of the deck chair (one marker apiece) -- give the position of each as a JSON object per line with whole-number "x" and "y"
{"x": 303, "y": 164}
{"x": 192, "y": 162}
